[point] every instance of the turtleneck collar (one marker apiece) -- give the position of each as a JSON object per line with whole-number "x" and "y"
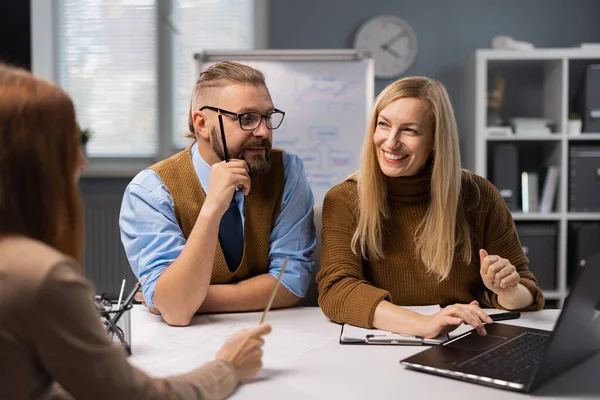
{"x": 411, "y": 189}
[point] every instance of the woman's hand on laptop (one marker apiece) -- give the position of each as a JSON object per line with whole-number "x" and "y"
{"x": 450, "y": 317}
{"x": 498, "y": 274}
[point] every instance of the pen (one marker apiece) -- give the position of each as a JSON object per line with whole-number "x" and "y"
{"x": 505, "y": 315}
{"x": 225, "y": 152}
{"x": 262, "y": 319}
{"x": 131, "y": 294}
{"x": 128, "y": 301}
{"x": 394, "y": 338}
{"x": 121, "y": 294}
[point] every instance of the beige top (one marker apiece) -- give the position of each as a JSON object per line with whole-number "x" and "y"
{"x": 52, "y": 344}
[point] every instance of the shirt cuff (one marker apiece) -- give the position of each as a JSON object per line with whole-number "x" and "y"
{"x": 149, "y": 284}
{"x": 296, "y": 283}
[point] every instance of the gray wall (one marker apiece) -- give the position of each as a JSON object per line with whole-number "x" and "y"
{"x": 448, "y": 31}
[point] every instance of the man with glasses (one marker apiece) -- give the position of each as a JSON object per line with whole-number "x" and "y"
{"x": 208, "y": 229}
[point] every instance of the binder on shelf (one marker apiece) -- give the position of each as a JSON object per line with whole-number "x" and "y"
{"x": 588, "y": 99}
{"x": 584, "y": 241}
{"x": 539, "y": 242}
{"x": 505, "y": 173}
{"x": 584, "y": 178}
{"x": 549, "y": 191}
{"x": 529, "y": 192}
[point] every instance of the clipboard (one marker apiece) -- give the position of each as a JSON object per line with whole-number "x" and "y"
{"x": 378, "y": 337}
{"x": 351, "y": 334}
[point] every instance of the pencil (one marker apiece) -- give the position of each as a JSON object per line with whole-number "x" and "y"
{"x": 262, "y": 319}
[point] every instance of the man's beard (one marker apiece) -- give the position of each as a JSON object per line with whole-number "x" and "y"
{"x": 258, "y": 164}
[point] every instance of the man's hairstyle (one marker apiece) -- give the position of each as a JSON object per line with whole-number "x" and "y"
{"x": 39, "y": 154}
{"x": 217, "y": 76}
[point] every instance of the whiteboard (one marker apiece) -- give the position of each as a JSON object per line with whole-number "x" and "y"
{"x": 327, "y": 96}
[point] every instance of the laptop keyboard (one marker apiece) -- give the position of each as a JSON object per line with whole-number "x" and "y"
{"x": 514, "y": 358}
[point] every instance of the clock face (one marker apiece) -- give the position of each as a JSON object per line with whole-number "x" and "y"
{"x": 390, "y": 41}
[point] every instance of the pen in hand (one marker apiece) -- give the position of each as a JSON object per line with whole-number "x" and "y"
{"x": 503, "y": 316}
{"x": 225, "y": 152}
{"x": 274, "y": 292}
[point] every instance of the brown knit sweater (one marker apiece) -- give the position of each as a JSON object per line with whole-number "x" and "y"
{"x": 350, "y": 288}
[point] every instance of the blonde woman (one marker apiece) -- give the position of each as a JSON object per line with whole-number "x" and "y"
{"x": 412, "y": 228}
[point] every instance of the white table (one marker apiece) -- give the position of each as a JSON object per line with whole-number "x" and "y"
{"x": 304, "y": 360}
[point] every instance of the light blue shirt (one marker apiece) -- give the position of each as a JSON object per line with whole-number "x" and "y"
{"x": 153, "y": 239}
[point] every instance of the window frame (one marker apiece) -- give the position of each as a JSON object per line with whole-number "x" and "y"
{"x": 45, "y": 58}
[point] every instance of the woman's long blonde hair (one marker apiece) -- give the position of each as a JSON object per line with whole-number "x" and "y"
{"x": 443, "y": 231}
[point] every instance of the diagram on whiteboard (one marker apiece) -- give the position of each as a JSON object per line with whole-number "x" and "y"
{"x": 326, "y": 112}
{"x": 328, "y": 92}
{"x": 326, "y": 104}
{"x": 323, "y": 159}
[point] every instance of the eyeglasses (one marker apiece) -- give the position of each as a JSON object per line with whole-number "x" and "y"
{"x": 249, "y": 121}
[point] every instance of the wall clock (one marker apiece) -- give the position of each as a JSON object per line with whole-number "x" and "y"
{"x": 390, "y": 41}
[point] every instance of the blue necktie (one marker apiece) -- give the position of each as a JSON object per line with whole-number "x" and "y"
{"x": 231, "y": 236}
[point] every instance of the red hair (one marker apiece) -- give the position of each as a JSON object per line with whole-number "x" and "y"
{"x": 39, "y": 156}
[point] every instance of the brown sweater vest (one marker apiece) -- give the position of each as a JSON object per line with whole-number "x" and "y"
{"x": 350, "y": 288}
{"x": 261, "y": 208}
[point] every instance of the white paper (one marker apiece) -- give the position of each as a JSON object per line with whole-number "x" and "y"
{"x": 181, "y": 349}
{"x": 281, "y": 345}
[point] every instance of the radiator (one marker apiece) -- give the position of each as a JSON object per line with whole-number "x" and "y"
{"x": 105, "y": 263}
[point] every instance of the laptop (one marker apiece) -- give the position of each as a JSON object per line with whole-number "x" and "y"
{"x": 521, "y": 359}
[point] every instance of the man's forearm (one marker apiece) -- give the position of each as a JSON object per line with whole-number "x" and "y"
{"x": 183, "y": 286}
{"x": 249, "y": 295}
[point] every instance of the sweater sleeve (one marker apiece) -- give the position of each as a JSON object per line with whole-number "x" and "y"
{"x": 74, "y": 349}
{"x": 501, "y": 238}
{"x": 345, "y": 296}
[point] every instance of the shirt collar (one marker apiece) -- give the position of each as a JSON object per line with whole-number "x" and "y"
{"x": 201, "y": 167}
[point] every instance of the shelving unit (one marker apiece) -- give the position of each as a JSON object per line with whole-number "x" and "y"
{"x": 539, "y": 83}
{"x": 531, "y": 138}
{"x": 536, "y": 216}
